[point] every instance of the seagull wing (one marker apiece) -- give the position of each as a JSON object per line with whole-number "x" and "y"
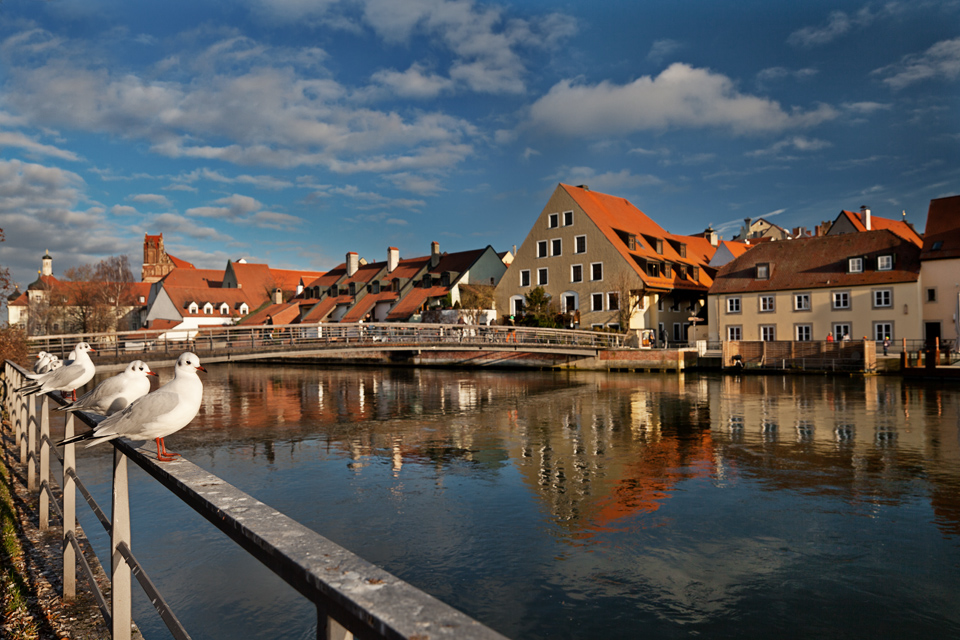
{"x": 129, "y": 422}
{"x": 62, "y": 378}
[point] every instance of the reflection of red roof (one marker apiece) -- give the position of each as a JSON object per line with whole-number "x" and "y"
{"x": 901, "y": 228}
{"x": 943, "y": 227}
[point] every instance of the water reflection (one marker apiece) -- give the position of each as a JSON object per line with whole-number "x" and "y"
{"x": 572, "y": 505}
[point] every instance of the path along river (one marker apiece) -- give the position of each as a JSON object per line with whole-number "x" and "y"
{"x": 576, "y": 505}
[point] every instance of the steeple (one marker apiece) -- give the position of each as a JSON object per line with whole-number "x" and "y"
{"x": 47, "y": 268}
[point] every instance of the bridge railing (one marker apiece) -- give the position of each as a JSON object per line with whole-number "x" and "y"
{"x": 322, "y": 335}
{"x": 353, "y": 597}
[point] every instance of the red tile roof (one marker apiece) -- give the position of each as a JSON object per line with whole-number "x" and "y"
{"x": 820, "y": 262}
{"x": 322, "y": 309}
{"x": 183, "y": 296}
{"x": 942, "y": 230}
{"x": 194, "y": 278}
{"x": 899, "y": 227}
{"x": 180, "y": 264}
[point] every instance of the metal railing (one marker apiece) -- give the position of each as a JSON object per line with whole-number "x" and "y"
{"x": 295, "y": 337}
{"x": 353, "y": 597}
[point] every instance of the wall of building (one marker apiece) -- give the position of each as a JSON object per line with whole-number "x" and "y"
{"x": 943, "y": 277}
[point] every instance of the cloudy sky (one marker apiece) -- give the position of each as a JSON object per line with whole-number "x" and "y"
{"x": 293, "y": 131}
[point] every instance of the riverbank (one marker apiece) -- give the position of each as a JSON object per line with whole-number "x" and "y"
{"x": 31, "y": 563}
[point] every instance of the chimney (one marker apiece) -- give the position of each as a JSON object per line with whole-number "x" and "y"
{"x": 393, "y": 258}
{"x": 865, "y": 216}
{"x": 277, "y": 296}
{"x": 711, "y": 236}
{"x": 353, "y": 263}
{"x": 584, "y": 187}
{"x": 300, "y": 287}
{"x": 746, "y": 228}
{"x": 434, "y": 254}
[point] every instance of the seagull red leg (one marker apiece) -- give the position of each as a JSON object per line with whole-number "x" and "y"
{"x": 163, "y": 455}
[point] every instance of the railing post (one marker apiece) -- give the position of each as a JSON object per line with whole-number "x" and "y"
{"x": 328, "y": 628}
{"x": 44, "y": 464}
{"x": 120, "y": 532}
{"x": 69, "y": 513}
{"x": 28, "y": 445}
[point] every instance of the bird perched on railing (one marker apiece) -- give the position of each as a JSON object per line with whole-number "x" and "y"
{"x": 157, "y": 414}
{"x": 70, "y": 377}
{"x": 114, "y": 394}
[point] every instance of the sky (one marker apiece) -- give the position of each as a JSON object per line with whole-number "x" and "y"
{"x": 293, "y": 131}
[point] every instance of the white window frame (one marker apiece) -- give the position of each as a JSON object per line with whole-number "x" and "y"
{"x": 525, "y": 275}
{"x": 244, "y": 309}
{"x": 594, "y": 297}
{"x": 803, "y": 332}
{"x": 543, "y": 276}
{"x": 193, "y": 308}
{"x": 564, "y": 221}
{"x": 768, "y": 333}
{"x": 576, "y": 301}
{"x": 802, "y": 302}
{"x": 835, "y": 299}
{"x": 573, "y": 278}
{"x": 224, "y": 309}
{"x": 734, "y": 305}
{"x": 882, "y": 328}
{"x": 768, "y": 303}
{"x": 592, "y": 266}
{"x": 553, "y": 220}
{"x": 513, "y": 305}
{"x": 734, "y": 332}
{"x": 885, "y": 263}
{"x": 556, "y": 243}
{"x": 855, "y": 265}
{"x": 838, "y": 330}
{"x": 576, "y": 244}
{"x": 543, "y": 248}
{"x": 882, "y": 298}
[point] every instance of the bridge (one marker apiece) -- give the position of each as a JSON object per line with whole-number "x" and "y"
{"x": 398, "y": 343}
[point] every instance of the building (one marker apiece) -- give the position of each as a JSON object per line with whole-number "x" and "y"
{"x": 606, "y": 264}
{"x": 850, "y": 222}
{"x": 940, "y": 272}
{"x": 760, "y": 230}
{"x": 858, "y": 284}
{"x": 156, "y": 261}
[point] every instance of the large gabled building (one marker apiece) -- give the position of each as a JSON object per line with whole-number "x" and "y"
{"x": 593, "y": 252}
{"x": 940, "y": 272}
{"x": 855, "y": 284}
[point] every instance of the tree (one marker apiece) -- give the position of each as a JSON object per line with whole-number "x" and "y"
{"x": 629, "y": 298}
{"x": 96, "y": 296}
{"x": 540, "y": 309}
{"x": 13, "y": 341}
{"x": 475, "y": 298}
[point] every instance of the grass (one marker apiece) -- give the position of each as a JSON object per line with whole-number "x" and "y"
{"x": 15, "y": 594}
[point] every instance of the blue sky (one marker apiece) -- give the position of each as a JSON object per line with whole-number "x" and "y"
{"x": 291, "y": 132}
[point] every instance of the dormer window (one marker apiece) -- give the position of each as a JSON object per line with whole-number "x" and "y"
{"x": 142, "y": 299}
{"x": 855, "y": 265}
{"x": 353, "y": 288}
{"x": 395, "y": 284}
{"x": 937, "y": 245}
{"x": 659, "y": 246}
{"x": 632, "y": 242}
{"x": 208, "y": 309}
{"x": 445, "y": 279}
{"x": 427, "y": 281}
{"x": 667, "y": 270}
{"x": 763, "y": 271}
{"x": 375, "y": 287}
{"x": 885, "y": 263}
{"x": 244, "y": 309}
{"x": 224, "y": 309}
{"x": 683, "y": 250}
{"x": 334, "y": 291}
{"x": 193, "y": 307}
{"x": 695, "y": 274}
{"x": 653, "y": 269}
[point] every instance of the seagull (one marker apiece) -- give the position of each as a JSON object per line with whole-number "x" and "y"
{"x": 43, "y": 359}
{"x": 157, "y": 414}
{"x": 114, "y": 394}
{"x": 70, "y": 377}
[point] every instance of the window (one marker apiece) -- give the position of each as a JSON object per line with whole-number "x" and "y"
{"x": 855, "y": 265}
{"x": 613, "y": 326}
{"x": 525, "y": 278}
{"x": 631, "y": 242}
{"x": 659, "y": 246}
{"x": 677, "y": 332}
{"x": 931, "y": 295}
{"x": 244, "y": 309}
{"x": 596, "y": 271}
{"x": 576, "y": 273}
{"x": 841, "y": 329}
{"x": 733, "y": 305}
{"x": 763, "y": 271}
{"x": 768, "y": 332}
{"x": 445, "y": 279}
{"x": 224, "y": 309}
{"x": 667, "y": 272}
{"x": 882, "y": 330}
{"x": 937, "y": 245}
{"x": 142, "y": 299}
{"x": 767, "y": 304}
{"x": 542, "y": 249}
{"x": 553, "y": 220}
{"x": 517, "y": 305}
{"x": 683, "y": 250}
{"x": 841, "y": 299}
{"x": 882, "y": 298}
{"x": 569, "y": 302}
{"x": 660, "y": 303}
{"x": 542, "y": 276}
{"x": 596, "y": 302}
{"x": 653, "y": 269}
{"x": 801, "y": 302}
{"x": 613, "y": 301}
{"x": 556, "y": 247}
{"x": 695, "y": 274}
{"x": 580, "y": 244}
{"x": 193, "y": 308}
{"x": 567, "y": 218}
{"x": 208, "y": 309}
{"x": 804, "y": 333}
{"x": 885, "y": 263}
{"x": 375, "y": 288}
{"x": 353, "y": 285}
{"x": 734, "y": 332}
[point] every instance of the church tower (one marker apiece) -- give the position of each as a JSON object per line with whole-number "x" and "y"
{"x": 156, "y": 262}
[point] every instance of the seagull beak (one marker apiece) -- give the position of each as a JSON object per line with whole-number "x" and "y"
{"x": 92, "y": 349}
{"x": 151, "y": 373}
{"x": 200, "y": 368}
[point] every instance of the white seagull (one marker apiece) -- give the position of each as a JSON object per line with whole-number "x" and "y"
{"x": 43, "y": 359}
{"x": 114, "y": 394}
{"x": 157, "y": 414}
{"x": 70, "y": 377}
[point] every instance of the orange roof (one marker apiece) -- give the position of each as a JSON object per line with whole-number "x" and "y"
{"x": 616, "y": 217}
{"x": 283, "y": 313}
{"x": 941, "y": 238}
{"x": 736, "y": 248}
{"x": 183, "y": 296}
{"x": 163, "y": 323}
{"x": 289, "y": 279}
{"x": 194, "y": 278}
{"x": 411, "y": 302}
{"x": 323, "y": 308}
{"x": 180, "y": 264}
{"x": 366, "y": 304}
{"x": 899, "y": 227}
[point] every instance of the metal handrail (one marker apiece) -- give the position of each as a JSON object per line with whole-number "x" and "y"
{"x": 352, "y": 596}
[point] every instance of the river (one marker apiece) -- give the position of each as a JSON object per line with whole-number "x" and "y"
{"x": 554, "y": 505}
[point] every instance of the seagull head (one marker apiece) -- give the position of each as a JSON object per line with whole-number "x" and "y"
{"x": 190, "y": 362}
{"x": 84, "y": 346}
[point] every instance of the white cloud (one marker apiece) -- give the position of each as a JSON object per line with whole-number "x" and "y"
{"x": 866, "y": 108}
{"x": 840, "y": 23}
{"x": 414, "y": 183}
{"x": 608, "y": 181}
{"x": 680, "y": 97}
{"x": 796, "y": 143}
{"x": 941, "y": 61}
{"x": 31, "y": 146}
{"x": 150, "y": 198}
{"x": 662, "y": 49}
{"x": 415, "y": 82}
{"x": 175, "y": 223}
{"x": 123, "y": 210}
{"x": 368, "y": 200}
{"x": 232, "y": 208}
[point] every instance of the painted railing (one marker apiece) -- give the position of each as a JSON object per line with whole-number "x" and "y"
{"x": 353, "y": 598}
{"x": 300, "y": 337}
